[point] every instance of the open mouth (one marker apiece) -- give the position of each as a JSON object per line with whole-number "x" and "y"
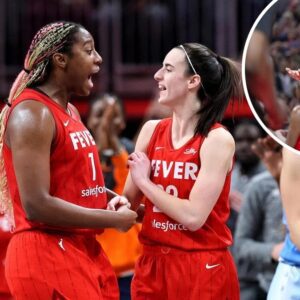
{"x": 90, "y": 80}
{"x": 161, "y": 87}
{"x": 91, "y": 75}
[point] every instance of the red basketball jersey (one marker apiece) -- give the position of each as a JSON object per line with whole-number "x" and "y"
{"x": 297, "y": 146}
{"x": 175, "y": 171}
{"x": 75, "y": 173}
{"x": 5, "y": 236}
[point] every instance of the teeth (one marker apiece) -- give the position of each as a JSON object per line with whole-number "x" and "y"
{"x": 96, "y": 71}
{"x": 161, "y": 88}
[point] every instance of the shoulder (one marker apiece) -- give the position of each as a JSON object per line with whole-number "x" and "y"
{"x": 261, "y": 178}
{"x": 263, "y": 182}
{"x": 146, "y": 134}
{"x": 30, "y": 111}
{"x": 218, "y": 149}
{"x": 291, "y": 163}
{"x": 30, "y": 118}
{"x": 150, "y": 126}
{"x": 219, "y": 137}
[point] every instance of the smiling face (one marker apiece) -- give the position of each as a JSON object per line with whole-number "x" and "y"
{"x": 172, "y": 79}
{"x": 83, "y": 63}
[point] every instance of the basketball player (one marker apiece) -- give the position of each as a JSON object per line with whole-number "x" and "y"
{"x": 52, "y": 174}
{"x": 182, "y": 165}
{"x": 286, "y": 281}
{"x": 293, "y": 134}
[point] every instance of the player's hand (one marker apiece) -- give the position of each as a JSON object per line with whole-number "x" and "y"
{"x": 116, "y": 202}
{"x": 108, "y": 114}
{"x": 140, "y": 212}
{"x": 128, "y": 218}
{"x": 281, "y": 134}
{"x": 269, "y": 151}
{"x": 295, "y": 74}
{"x": 236, "y": 200}
{"x": 140, "y": 167}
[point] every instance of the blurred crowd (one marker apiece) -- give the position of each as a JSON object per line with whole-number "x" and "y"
{"x": 285, "y": 51}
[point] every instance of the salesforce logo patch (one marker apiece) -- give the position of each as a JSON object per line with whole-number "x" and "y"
{"x": 166, "y": 226}
{"x": 93, "y": 191}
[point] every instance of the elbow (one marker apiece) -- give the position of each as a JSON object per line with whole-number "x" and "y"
{"x": 32, "y": 210}
{"x": 193, "y": 223}
{"x": 31, "y": 215}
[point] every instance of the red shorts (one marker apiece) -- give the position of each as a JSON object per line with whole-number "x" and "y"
{"x": 45, "y": 266}
{"x": 166, "y": 274}
{"x": 4, "y": 240}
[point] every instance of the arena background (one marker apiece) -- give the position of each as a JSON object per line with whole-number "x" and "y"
{"x": 132, "y": 36}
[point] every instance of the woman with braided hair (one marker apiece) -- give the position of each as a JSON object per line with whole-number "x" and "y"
{"x": 51, "y": 182}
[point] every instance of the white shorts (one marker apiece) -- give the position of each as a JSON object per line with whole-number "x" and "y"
{"x": 286, "y": 283}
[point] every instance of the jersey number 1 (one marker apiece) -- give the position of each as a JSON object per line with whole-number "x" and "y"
{"x": 91, "y": 156}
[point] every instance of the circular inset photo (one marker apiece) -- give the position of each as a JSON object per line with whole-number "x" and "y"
{"x": 271, "y": 71}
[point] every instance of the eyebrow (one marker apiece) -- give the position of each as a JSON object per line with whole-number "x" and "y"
{"x": 87, "y": 42}
{"x": 168, "y": 65}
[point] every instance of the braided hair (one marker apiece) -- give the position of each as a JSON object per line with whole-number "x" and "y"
{"x": 50, "y": 39}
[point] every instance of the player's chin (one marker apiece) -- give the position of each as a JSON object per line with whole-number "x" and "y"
{"x": 161, "y": 100}
{"x": 83, "y": 92}
{"x": 164, "y": 101}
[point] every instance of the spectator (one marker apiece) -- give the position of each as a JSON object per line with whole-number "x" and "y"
{"x": 247, "y": 165}
{"x": 106, "y": 121}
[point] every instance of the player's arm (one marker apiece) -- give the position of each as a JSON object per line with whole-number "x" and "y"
{"x": 30, "y": 132}
{"x": 216, "y": 161}
{"x": 260, "y": 77}
{"x": 131, "y": 190}
{"x": 289, "y": 185}
{"x": 294, "y": 127}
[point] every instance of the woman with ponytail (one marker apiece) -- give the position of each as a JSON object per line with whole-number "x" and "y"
{"x": 182, "y": 166}
{"x": 52, "y": 187}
